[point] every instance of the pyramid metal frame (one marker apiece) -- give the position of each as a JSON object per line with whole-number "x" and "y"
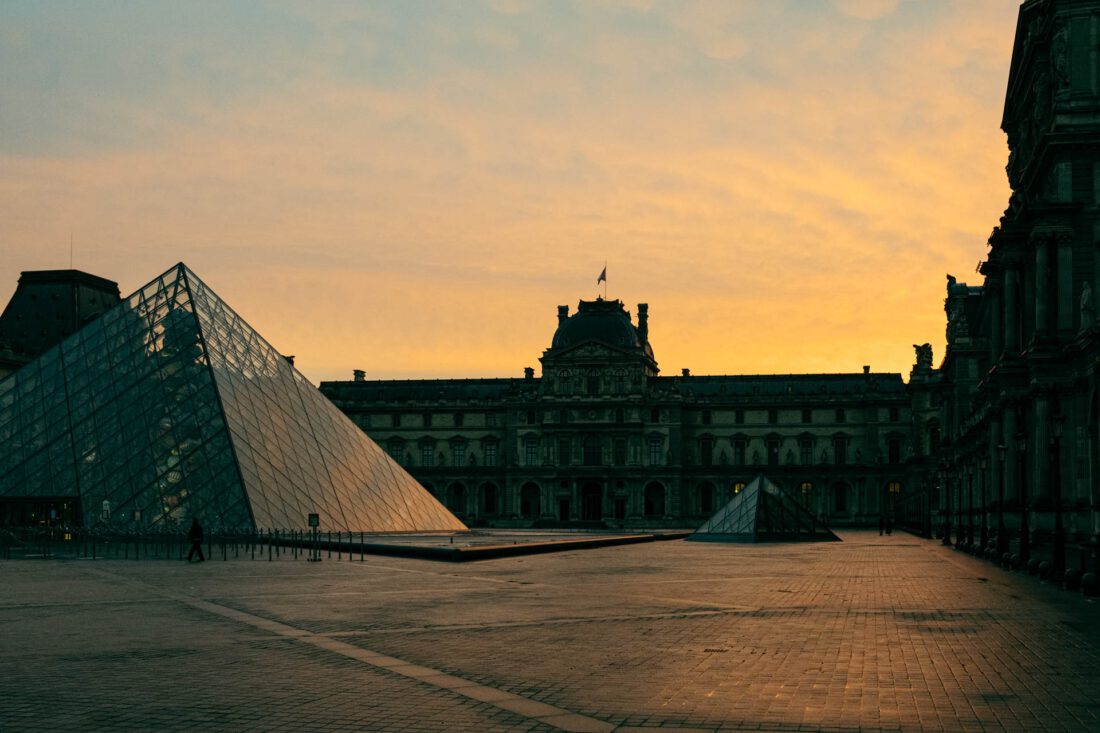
{"x": 763, "y": 512}
{"x": 170, "y": 406}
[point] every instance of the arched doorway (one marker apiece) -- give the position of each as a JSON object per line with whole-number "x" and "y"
{"x": 591, "y": 501}
{"x": 489, "y": 504}
{"x": 530, "y": 497}
{"x": 654, "y": 500}
{"x": 456, "y": 498}
{"x": 704, "y": 502}
{"x": 840, "y": 497}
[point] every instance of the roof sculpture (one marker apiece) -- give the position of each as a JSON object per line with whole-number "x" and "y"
{"x": 170, "y": 406}
{"x": 763, "y": 512}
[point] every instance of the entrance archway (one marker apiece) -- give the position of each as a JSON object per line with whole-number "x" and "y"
{"x": 529, "y": 498}
{"x": 591, "y": 501}
{"x": 456, "y": 498}
{"x": 654, "y": 499}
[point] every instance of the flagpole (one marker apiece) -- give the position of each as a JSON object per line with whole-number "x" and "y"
{"x": 605, "y": 280}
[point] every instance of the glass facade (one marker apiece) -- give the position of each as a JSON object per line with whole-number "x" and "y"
{"x": 170, "y": 406}
{"x": 762, "y": 512}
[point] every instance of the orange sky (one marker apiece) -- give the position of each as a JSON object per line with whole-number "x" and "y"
{"x": 412, "y": 188}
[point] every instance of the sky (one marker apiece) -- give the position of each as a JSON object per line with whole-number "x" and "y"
{"x": 412, "y": 188}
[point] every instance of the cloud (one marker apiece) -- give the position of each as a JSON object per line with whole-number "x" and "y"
{"x": 412, "y": 189}
{"x": 867, "y": 9}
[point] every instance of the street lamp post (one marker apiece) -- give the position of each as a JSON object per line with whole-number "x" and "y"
{"x": 984, "y": 537}
{"x": 1025, "y": 510}
{"x": 1002, "y": 537}
{"x": 1059, "y": 559}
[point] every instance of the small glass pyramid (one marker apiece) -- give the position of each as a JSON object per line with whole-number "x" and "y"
{"x": 762, "y": 512}
{"x": 169, "y": 406}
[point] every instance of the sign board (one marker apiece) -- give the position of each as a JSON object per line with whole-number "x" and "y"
{"x": 314, "y": 520}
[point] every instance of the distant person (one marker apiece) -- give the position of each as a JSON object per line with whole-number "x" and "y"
{"x": 195, "y": 535}
{"x": 889, "y": 526}
{"x": 881, "y": 524}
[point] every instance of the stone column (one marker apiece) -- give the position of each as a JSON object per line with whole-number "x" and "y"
{"x": 1039, "y": 468}
{"x": 1012, "y": 488}
{"x": 1065, "y": 295}
{"x": 996, "y": 335}
{"x": 1042, "y": 279}
{"x": 1011, "y": 300}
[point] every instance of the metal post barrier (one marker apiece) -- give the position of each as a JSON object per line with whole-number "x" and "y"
{"x": 360, "y": 546}
{"x": 328, "y": 534}
{"x": 269, "y": 545}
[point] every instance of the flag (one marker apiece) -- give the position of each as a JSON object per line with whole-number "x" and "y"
{"x": 603, "y": 276}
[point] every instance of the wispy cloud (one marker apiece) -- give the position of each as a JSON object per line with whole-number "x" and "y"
{"x": 411, "y": 188}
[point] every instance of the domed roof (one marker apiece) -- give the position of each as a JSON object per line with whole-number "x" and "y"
{"x": 605, "y": 321}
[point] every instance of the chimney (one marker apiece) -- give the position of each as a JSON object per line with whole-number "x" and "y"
{"x": 528, "y": 373}
{"x": 289, "y": 359}
{"x": 685, "y": 372}
{"x": 563, "y": 313}
{"x": 643, "y": 323}
{"x": 358, "y": 375}
{"x": 866, "y": 368}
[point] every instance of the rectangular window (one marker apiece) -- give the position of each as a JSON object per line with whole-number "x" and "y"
{"x": 395, "y": 420}
{"x": 427, "y": 419}
{"x": 840, "y": 451}
{"x": 620, "y": 452}
{"x": 807, "y": 416}
{"x": 490, "y": 454}
{"x": 739, "y": 417}
{"x": 895, "y": 414}
{"x": 773, "y": 416}
{"x": 706, "y": 452}
{"x": 491, "y": 419}
{"x": 565, "y": 452}
{"x": 427, "y": 455}
{"x": 773, "y": 451}
{"x": 656, "y": 454}
{"x": 806, "y": 451}
{"x": 459, "y": 419}
{"x": 458, "y": 454}
{"x": 706, "y": 417}
{"x": 893, "y": 450}
{"x": 739, "y": 453}
{"x": 841, "y": 416}
{"x": 593, "y": 385}
{"x": 531, "y": 453}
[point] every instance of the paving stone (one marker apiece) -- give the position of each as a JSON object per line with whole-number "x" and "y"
{"x": 869, "y": 634}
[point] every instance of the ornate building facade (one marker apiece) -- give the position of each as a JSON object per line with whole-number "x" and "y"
{"x": 1008, "y": 428}
{"x": 600, "y": 438}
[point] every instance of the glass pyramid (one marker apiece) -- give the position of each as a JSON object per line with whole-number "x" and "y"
{"x": 762, "y": 512}
{"x": 169, "y": 406}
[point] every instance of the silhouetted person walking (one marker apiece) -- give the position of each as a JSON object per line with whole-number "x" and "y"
{"x": 195, "y": 535}
{"x": 889, "y": 526}
{"x": 881, "y": 524}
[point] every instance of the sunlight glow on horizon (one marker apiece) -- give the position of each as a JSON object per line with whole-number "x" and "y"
{"x": 412, "y": 188}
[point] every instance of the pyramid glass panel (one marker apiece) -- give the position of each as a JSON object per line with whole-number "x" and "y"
{"x": 762, "y": 512}
{"x": 170, "y": 406}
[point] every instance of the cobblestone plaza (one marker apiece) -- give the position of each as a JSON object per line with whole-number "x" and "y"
{"x": 872, "y": 633}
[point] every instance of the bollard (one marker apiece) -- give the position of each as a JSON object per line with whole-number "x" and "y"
{"x": 269, "y": 545}
{"x": 339, "y": 546}
{"x": 329, "y": 536}
{"x": 360, "y": 546}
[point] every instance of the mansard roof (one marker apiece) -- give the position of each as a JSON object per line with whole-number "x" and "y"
{"x": 780, "y": 385}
